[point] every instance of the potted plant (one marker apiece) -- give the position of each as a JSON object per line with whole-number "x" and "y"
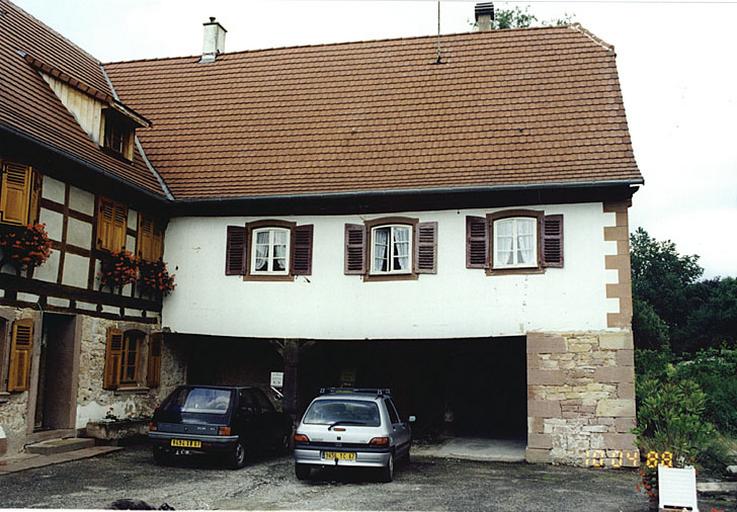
{"x": 26, "y": 248}
{"x": 119, "y": 268}
{"x": 155, "y": 279}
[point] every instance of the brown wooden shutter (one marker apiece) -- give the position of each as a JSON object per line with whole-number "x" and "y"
{"x": 235, "y": 251}
{"x": 105, "y": 215}
{"x": 477, "y": 242}
{"x": 426, "y": 248}
{"x": 302, "y": 250}
{"x": 15, "y": 193}
{"x": 113, "y": 358}
{"x": 552, "y": 233}
{"x": 153, "y": 373}
{"x": 21, "y": 349}
{"x": 355, "y": 249}
{"x": 34, "y": 210}
{"x": 146, "y": 238}
{"x": 120, "y": 227}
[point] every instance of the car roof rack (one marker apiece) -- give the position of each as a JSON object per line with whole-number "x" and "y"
{"x": 356, "y": 391}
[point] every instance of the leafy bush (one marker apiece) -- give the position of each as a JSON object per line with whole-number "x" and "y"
{"x": 715, "y": 371}
{"x": 670, "y": 418}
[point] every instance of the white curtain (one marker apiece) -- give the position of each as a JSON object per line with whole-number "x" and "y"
{"x": 504, "y": 241}
{"x": 401, "y": 248}
{"x": 525, "y": 241}
{"x": 381, "y": 247}
{"x": 262, "y": 251}
{"x": 280, "y": 250}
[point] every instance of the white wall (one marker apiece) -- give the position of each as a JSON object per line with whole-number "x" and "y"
{"x": 456, "y": 302}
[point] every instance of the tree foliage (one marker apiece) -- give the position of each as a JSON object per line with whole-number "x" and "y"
{"x": 523, "y": 18}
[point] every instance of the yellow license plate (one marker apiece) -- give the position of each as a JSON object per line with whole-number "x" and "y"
{"x": 339, "y": 455}
{"x": 186, "y": 443}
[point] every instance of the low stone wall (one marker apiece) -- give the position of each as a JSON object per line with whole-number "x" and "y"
{"x": 13, "y": 409}
{"x": 581, "y": 398}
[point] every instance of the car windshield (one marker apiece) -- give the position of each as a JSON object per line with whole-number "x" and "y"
{"x": 347, "y": 412}
{"x": 199, "y": 400}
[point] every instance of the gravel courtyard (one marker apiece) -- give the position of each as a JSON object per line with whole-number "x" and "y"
{"x": 269, "y": 483}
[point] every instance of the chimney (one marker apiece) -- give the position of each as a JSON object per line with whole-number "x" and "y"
{"x": 484, "y": 16}
{"x": 213, "y": 42}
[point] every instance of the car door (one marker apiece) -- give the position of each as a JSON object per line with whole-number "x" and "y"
{"x": 268, "y": 419}
{"x": 247, "y": 416}
{"x": 400, "y": 430}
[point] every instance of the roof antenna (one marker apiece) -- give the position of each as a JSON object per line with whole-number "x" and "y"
{"x": 439, "y": 59}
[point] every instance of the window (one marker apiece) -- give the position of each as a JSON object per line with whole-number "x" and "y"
{"x": 150, "y": 242}
{"x": 112, "y": 225}
{"x": 21, "y": 350}
{"x": 510, "y": 241}
{"x": 123, "y": 358}
{"x": 515, "y": 242}
{"x": 132, "y": 343}
{"x": 270, "y": 251}
{"x": 393, "y": 416}
{"x": 263, "y": 403}
{"x": 119, "y": 134}
{"x": 19, "y": 193}
{"x": 391, "y": 250}
{"x": 350, "y": 412}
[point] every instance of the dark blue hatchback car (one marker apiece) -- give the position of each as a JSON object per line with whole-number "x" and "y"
{"x": 228, "y": 421}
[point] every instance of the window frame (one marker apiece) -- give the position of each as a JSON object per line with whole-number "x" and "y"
{"x": 140, "y": 336}
{"x": 390, "y": 248}
{"x": 114, "y": 120}
{"x": 535, "y": 268}
{"x": 253, "y": 227}
{"x": 369, "y": 274}
{"x": 271, "y": 257}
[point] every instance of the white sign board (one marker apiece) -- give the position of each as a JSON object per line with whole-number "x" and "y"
{"x": 277, "y": 379}
{"x": 677, "y": 488}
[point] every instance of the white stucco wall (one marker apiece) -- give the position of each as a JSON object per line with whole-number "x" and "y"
{"x": 456, "y": 302}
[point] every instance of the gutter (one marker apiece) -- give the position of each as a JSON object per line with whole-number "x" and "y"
{"x": 416, "y": 191}
{"x": 83, "y": 163}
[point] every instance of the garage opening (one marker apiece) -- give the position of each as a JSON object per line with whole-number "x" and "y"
{"x": 474, "y": 388}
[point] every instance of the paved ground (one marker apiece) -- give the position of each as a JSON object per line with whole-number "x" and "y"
{"x": 269, "y": 483}
{"x": 468, "y": 448}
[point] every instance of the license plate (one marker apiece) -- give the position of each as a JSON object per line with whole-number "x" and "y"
{"x": 186, "y": 443}
{"x": 339, "y": 455}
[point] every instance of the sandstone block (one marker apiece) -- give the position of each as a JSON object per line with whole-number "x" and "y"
{"x": 540, "y": 376}
{"x": 544, "y": 408}
{"x": 619, "y": 441}
{"x": 616, "y": 408}
{"x": 539, "y": 441}
{"x": 615, "y": 374}
{"x": 625, "y": 357}
{"x": 545, "y": 343}
{"x": 535, "y": 425}
{"x": 624, "y": 425}
{"x": 579, "y": 347}
{"x": 616, "y": 341}
{"x": 537, "y": 455}
{"x": 626, "y": 390}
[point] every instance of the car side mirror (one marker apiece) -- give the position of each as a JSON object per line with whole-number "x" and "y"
{"x": 412, "y": 419}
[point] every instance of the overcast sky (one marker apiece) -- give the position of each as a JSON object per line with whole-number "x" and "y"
{"x": 677, "y": 66}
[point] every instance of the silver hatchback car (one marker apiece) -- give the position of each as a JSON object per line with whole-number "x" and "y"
{"x": 352, "y": 428}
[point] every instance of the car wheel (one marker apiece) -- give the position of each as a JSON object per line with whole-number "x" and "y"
{"x": 285, "y": 444}
{"x": 161, "y": 458}
{"x": 237, "y": 456}
{"x": 387, "y": 472}
{"x": 302, "y": 471}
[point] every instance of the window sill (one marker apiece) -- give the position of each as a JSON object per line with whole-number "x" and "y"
{"x": 140, "y": 390}
{"x": 268, "y": 277}
{"x": 519, "y": 270}
{"x": 390, "y": 277}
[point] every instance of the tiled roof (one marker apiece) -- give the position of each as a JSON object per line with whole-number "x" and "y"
{"x": 28, "y": 105}
{"x": 508, "y": 107}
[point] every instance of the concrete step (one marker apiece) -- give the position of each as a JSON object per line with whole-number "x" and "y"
{"x": 54, "y": 446}
{"x": 39, "y": 461}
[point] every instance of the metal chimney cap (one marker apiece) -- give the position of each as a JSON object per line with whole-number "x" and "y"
{"x": 484, "y": 9}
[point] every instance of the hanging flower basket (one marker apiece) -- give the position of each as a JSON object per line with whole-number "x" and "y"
{"x": 119, "y": 268}
{"x": 26, "y": 247}
{"x": 155, "y": 278}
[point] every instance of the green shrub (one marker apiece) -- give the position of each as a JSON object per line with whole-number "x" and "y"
{"x": 670, "y": 418}
{"x": 715, "y": 371}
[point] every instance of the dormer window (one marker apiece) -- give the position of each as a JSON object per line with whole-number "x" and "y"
{"x": 119, "y": 133}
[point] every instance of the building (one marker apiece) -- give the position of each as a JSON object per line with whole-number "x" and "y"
{"x": 449, "y": 223}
